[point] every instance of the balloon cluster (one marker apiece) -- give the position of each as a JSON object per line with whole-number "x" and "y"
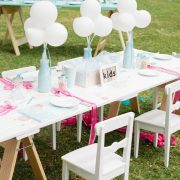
{"x": 41, "y": 27}
{"x": 128, "y": 16}
{"x": 91, "y": 21}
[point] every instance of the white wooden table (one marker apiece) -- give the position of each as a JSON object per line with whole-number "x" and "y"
{"x": 15, "y": 128}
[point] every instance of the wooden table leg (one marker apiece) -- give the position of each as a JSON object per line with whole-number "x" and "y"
{"x": 135, "y": 104}
{"x": 114, "y": 109}
{"x": 7, "y": 32}
{"x": 22, "y": 22}
{"x": 9, "y": 159}
{"x": 11, "y": 32}
{"x": 115, "y": 106}
{"x": 102, "y": 41}
{"x": 34, "y": 159}
{"x": 122, "y": 40}
{"x": 8, "y": 162}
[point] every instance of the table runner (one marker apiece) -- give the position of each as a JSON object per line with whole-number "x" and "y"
{"x": 94, "y": 113}
{"x": 9, "y": 85}
{"x": 168, "y": 71}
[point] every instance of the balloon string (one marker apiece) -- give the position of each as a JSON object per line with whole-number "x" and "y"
{"x": 92, "y": 38}
{"x": 49, "y": 57}
{"x": 88, "y": 41}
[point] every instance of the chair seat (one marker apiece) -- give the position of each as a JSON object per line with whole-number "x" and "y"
{"x": 157, "y": 117}
{"x": 85, "y": 159}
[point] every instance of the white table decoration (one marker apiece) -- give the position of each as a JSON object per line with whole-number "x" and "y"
{"x": 41, "y": 28}
{"x": 91, "y": 23}
{"x": 125, "y": 20}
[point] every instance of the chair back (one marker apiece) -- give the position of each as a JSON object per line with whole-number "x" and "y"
{"x": 171, "y": 106}
{"x": 14, "y": 72}
{"x": 110, "y": 125}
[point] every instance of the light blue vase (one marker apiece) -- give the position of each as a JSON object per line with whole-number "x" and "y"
{"x": 44, "y": 75}
{"x": 87, "y": 53}
{"x": 128, "y": 58}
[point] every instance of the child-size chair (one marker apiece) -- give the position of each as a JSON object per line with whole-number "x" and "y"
{"x": 97, "y": 162}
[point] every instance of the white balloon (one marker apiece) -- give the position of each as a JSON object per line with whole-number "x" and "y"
{"x": 44, "y": 13}
{"x": 126, "y": 22}
{"x": 114, "y": 19}
{"x": 127, "y": 6}
{"x": 90, "y": 8}
{"x": 103, "y": 26}
{"x": 29, "y": 23}
{"x": 34, "y": 36}
{"x": 56, "y": 34}
{"x": 83, "y": 26}
{"x": 142, "y": 18}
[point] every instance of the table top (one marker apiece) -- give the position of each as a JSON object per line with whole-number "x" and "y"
{"x": 129, "y": 83}
{"x": 59, "y": 4}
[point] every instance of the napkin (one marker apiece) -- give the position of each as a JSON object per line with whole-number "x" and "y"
{"x": 9, "y": 85}
{"x": 6, "y": 108}
{"x": 42, "y": 112}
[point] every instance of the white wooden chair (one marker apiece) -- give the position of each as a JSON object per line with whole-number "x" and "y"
{"x": 12, "y": 73}
{"x": 159, "y": 121}
{"x": 96, "y": 162}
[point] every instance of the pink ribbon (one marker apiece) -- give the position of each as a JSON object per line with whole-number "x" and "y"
{"x": 169, "y": 71}
{"x": 9, "y": 85}
{"x": 4, "y": 109}
{"x": 94, "y": 113}
{"x": 165, "y": 70}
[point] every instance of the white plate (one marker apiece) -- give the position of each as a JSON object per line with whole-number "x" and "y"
{"x": 74, "y": 3}
{"x": 147, "y": 72}
{"x": 64, "y": 101}
{"x": 162, "y": 56}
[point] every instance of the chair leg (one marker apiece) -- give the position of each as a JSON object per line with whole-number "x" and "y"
{"x": 155, "y": 98}
{"x": 101, "y": 113}
{"x": 136, "y": 139}
{"x": 54, "y": 136}
{"x": 58, "y": 126}
{"x": 167, "y": 149}
{"x": 65, "y": 171}
{"x": 125, "y": 176}
{"x": 79, "y": 127}
{"x": 155, "y": 139}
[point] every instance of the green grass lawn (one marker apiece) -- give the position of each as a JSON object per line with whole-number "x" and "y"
{"x": 163, "y": 35}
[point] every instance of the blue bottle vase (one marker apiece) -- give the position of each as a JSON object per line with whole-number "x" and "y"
{"x": 44, "y": 77}
{"x": 87, "y": 53}
{"x": 128, "y": 58}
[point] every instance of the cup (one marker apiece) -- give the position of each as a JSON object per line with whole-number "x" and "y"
{"x": 62, "y": 81}
{"x": 142, "y": 62}
{"x": 70, "y": 73}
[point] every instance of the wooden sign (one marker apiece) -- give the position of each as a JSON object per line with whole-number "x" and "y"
{"x": 108, "y": 73}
